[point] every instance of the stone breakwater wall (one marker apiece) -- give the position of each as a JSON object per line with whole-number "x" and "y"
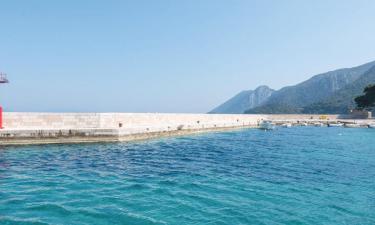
{"x": 123, "y": 120}
{"x": 37, "y": 128}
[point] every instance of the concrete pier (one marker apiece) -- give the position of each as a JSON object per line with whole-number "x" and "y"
{"x": 42, "y": 128}
{"x": 39, "y": 128}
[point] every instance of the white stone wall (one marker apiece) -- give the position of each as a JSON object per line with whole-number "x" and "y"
{"x": 139, "y": 121}
{"x": 129, "y": 120}
{"x": 50, "y": 120}
{"x": 43, "y": 128}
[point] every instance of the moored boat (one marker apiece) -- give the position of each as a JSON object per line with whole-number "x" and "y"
{"x": 335, "y": 124}
{"x": 286, "y": 125}
{"x": 352, "y": 125}
{"x": 267, "y": 125}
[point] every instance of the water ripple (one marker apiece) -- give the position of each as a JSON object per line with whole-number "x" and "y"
{"x": 291, "y": 176}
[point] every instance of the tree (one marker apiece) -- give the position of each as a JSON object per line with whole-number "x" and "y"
{"x": 366, "y": 101}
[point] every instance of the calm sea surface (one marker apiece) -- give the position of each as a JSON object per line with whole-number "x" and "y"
{"x": 301, "y": 175}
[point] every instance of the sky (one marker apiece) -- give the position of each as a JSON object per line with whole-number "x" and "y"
{"x": 185, "y": 56}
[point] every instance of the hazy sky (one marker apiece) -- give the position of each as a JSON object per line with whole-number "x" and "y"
{"x": 171, "y": 56}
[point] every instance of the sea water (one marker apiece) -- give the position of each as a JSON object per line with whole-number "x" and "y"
{"x": 300, "y": 175}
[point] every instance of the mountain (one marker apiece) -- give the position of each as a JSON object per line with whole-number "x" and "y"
{"x": 340, "y": 85}
{"x": 341, "y": 100}
{"x": 244, "y": 100}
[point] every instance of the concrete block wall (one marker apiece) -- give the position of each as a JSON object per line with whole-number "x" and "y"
{"x": 129, "y": 120}
{"x": 44, "y": 128}
{"x": 136, "y": 121}
{"x": 26, "y": 120}
{"x": 139, "y": 121}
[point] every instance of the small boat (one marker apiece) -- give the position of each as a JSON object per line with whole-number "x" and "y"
{"x": 303, "y": 124}
{"x": 319, "y": 124}
{"x": 335, "y": 125}
{"x": 267, "y": 125}
{"x": 352, "y": 125}
{"x": 371, "y": 125}
{"x": 286, "y": 125}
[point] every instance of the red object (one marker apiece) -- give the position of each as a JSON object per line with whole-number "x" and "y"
{"x": 1, "y": 117}
{"x": 3, "y": 80}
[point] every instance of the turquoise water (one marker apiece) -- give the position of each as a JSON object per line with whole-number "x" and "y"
{"x": 301, "y": 175}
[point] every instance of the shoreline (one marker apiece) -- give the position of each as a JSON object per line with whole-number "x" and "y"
{"x": 58, "y": 128}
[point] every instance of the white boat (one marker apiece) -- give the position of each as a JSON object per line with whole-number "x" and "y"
{"x": 267, "y": 125}
{"x": 286, "y": 125}
{"x": 371, "y": 125}
{"x": 303, "y": 124}
{"x": 335, "y": 124}
{"x": 319, "y": 124}
{"x": 352, "y": 125}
